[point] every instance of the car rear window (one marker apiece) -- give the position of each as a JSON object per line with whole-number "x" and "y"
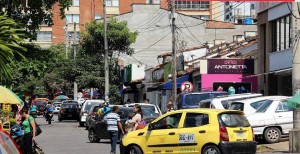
{"x": 233, "y": 120}
{"x": 88, "y": 105}
{"x": 148, "y": 107}
{"x": 69, "y": 105}
{"x": 96, "y": 108}
{"x": 194, "y": 99}
{"x": 263, "y": 108}
{"x": 38, "y": 103}
{"x": 237, "y": 106}
{"x": 205, "y": 104}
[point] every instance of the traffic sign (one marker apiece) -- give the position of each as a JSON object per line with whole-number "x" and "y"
{"x": 186, "y": 87}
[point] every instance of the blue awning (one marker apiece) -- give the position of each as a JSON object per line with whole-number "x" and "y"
{"x": 168, "y": 85}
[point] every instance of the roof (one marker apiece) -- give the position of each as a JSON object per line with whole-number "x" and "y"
{"x": 262, "y": 98}
{"x": 186, "y": 50}
{"x": 205, "y": 110}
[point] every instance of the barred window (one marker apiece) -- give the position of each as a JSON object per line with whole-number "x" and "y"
{"x": 281, "y": 33}
{"x": 192, "y": 5}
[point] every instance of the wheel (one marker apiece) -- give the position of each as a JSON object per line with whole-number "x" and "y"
{"x": 86, "y": 127}
{"x": 59, "y": 119}
{"x": 272, "y": 135}
{"x": 211, "y": 149}
{"x": 81, "y": 124}
{"x": 92, "y": 136}
{"x": 135, "y": 150}
{"x": 49, "y": 121}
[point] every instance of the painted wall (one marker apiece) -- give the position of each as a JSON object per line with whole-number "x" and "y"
{"x": 209, "y": 79}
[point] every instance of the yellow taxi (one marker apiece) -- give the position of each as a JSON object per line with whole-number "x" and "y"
{"x": 207, "y": 131}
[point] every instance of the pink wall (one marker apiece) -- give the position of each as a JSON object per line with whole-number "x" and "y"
{"x": 209, "y": 79}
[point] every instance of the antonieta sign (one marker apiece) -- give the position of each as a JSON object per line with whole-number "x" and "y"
{"x": 230, "y": 66}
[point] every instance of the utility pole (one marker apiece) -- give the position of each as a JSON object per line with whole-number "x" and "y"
{"x": 294, "y": 135}
{"x": 174, "y": 66}
{"x": 106, "y": 92}
{"x": 74, "y": 47}
{"x": 66, "y": 33}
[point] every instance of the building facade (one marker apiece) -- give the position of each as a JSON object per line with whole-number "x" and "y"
{"x": 275, "y": 48}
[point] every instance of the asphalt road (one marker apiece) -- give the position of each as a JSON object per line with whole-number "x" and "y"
{"x": 67, "y": 137}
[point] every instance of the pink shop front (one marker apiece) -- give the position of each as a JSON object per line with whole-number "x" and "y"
{"x": 219, "y": 74}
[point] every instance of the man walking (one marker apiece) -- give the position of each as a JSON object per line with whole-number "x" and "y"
{"x": 112, "y": 120}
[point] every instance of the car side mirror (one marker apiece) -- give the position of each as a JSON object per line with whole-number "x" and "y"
{"x": 151, "y": 126}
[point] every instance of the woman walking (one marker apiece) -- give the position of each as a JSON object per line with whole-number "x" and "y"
{"x": 29, "y": 135}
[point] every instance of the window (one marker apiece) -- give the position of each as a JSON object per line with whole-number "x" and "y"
{"x": 194, "y": 99}
{"x": 112, "y": 3}
{"x": 195, "y": 120}
{"x": 72, "y": 18}
{"x": 75, "y": 2}
{"x": 282, "y": 107}
{"x": 233, "y": 120}
{"x": 169, "y": 122}
{"x": 264, "y": 106}
{"x": 256, "y": 105}
{"x": 281, "y": 34}
{"x": 192, "y": 5}
{"x": 44, "y": 36}
{"x": 70, "y": 36}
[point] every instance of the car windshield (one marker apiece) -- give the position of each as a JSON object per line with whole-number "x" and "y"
{"x": 71, "y": 102}
{"x": 148, "y": 107}
{"x": 194, "y": 99}
{"x": 263, "y": 108}
{"x": 234, "y": 120}
{"x": 148, "y": 113}
{"x": 89, "y": 104}
{"x": 69, "y": 106}
{"x": 39, "y": 103}
{"x": 237, "y": 106}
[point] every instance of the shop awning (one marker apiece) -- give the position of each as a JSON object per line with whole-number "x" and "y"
{"x": 168, "y": 85}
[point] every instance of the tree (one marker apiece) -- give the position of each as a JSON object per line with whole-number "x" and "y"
{"x": 10, "y": 37}
{"x": 38, "y": 11}
{"x": 119, "y": 38}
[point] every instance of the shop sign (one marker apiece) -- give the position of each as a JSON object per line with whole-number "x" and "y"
{"x": 230, "y": 66}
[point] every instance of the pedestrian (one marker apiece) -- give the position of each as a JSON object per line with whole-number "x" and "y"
{"x": 147, "y": 101}
{"x": 170, "y": 106}
{"x": 29, "y": 135}
{"x": 128, "y": 101}
{"x": 113, "y": 122}
{"x": 137, "y": 121}
{"x": 105, "y": 108}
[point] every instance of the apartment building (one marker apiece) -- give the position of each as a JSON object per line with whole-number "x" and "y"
{"x": 275, "y": 48}
{"x": 82, "y": 11}
{"x": 240, "y": 12}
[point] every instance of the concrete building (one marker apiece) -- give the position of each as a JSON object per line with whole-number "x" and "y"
{"x": 154, "y": 38}
{"x": 240, "y": 12}
{"x": 274, "y": 48}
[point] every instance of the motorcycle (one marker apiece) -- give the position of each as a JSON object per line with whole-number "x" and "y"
{"x": 33, "y": 114}
{"x": 49, "y": 116}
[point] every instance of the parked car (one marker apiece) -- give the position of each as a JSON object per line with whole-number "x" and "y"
{"x": 56, "y": 105}
{"x": 193, "y": 131}
{"x": 91, "y": 115}
{"x": 40, "y": 106}
{"x": 70, "y": 101}
{"x": 272, "y": 120}
{"x": 85, "y": 108}
{"x": 68, "y": 111}
{"x": 191, "y": 100}
{"x": 152, "y": 107}
{"x": 98, "y": 127}
{"x": 80, "y": 101}
{"x": 249, "y": 106}
{"x": 7, "y": 144}
{"x": 223, "y": 102}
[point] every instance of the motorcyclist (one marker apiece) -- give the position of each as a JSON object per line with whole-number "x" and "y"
{"x": 104, "y": 109}
{"x": 32, "y": 110}
{"x": 49, "y": 110}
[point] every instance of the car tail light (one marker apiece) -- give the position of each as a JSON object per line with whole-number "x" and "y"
{"x": 82, "y": 113}
{"x": 223, "y": 134}
{"x": 93, "y": 115}
{"x": 62, "y": 110}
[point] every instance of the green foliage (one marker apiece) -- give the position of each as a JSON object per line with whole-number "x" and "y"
{"x": 119, "y": 37}
{"x": 10, "y": 37}
{"x": 38, "y": 11}
{"x": 13, "y": 121}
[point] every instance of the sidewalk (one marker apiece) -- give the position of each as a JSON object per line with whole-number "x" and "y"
{"x": 280, "y": 147}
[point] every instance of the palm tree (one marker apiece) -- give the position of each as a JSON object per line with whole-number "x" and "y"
{"x": 10, "y": 48}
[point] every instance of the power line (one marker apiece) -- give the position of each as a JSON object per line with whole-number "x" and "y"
{"x": 292, "y": 11}
{"x": 190, "y": 31}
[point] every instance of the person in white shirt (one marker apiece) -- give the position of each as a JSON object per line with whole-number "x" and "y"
{"x": 112, "y": 120}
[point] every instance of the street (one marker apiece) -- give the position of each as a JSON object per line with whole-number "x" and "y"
{"x": 67, "y": 138}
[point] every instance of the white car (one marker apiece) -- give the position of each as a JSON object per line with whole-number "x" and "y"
{"x": 56, "y": 107}
{"x": 80, "y": 101}
{"x": 85, "y": 109}
{"x": 249, "y": 106}
{"x": 152, "y": 107}
{"x": 272, "y": 119}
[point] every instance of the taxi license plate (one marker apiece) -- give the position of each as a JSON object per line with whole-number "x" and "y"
{"x": 186, "y": 138}
{"x": 240, "y": 134}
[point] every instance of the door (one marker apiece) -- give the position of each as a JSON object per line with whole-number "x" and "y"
{"x": 101, "y": 129}
{"x": 194, "y": 132}
{"x": 284, "y": 116}
{"x": 164, "y": 136}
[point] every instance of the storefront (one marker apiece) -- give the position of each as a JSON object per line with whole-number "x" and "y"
{"x": 221, "y": 74}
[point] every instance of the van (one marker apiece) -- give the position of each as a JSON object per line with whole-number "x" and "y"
{"x": 191, "y": 100}
{"x": 223, "y": 102}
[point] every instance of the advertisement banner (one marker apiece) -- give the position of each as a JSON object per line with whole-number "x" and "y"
{"x": 230, "y": 66}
